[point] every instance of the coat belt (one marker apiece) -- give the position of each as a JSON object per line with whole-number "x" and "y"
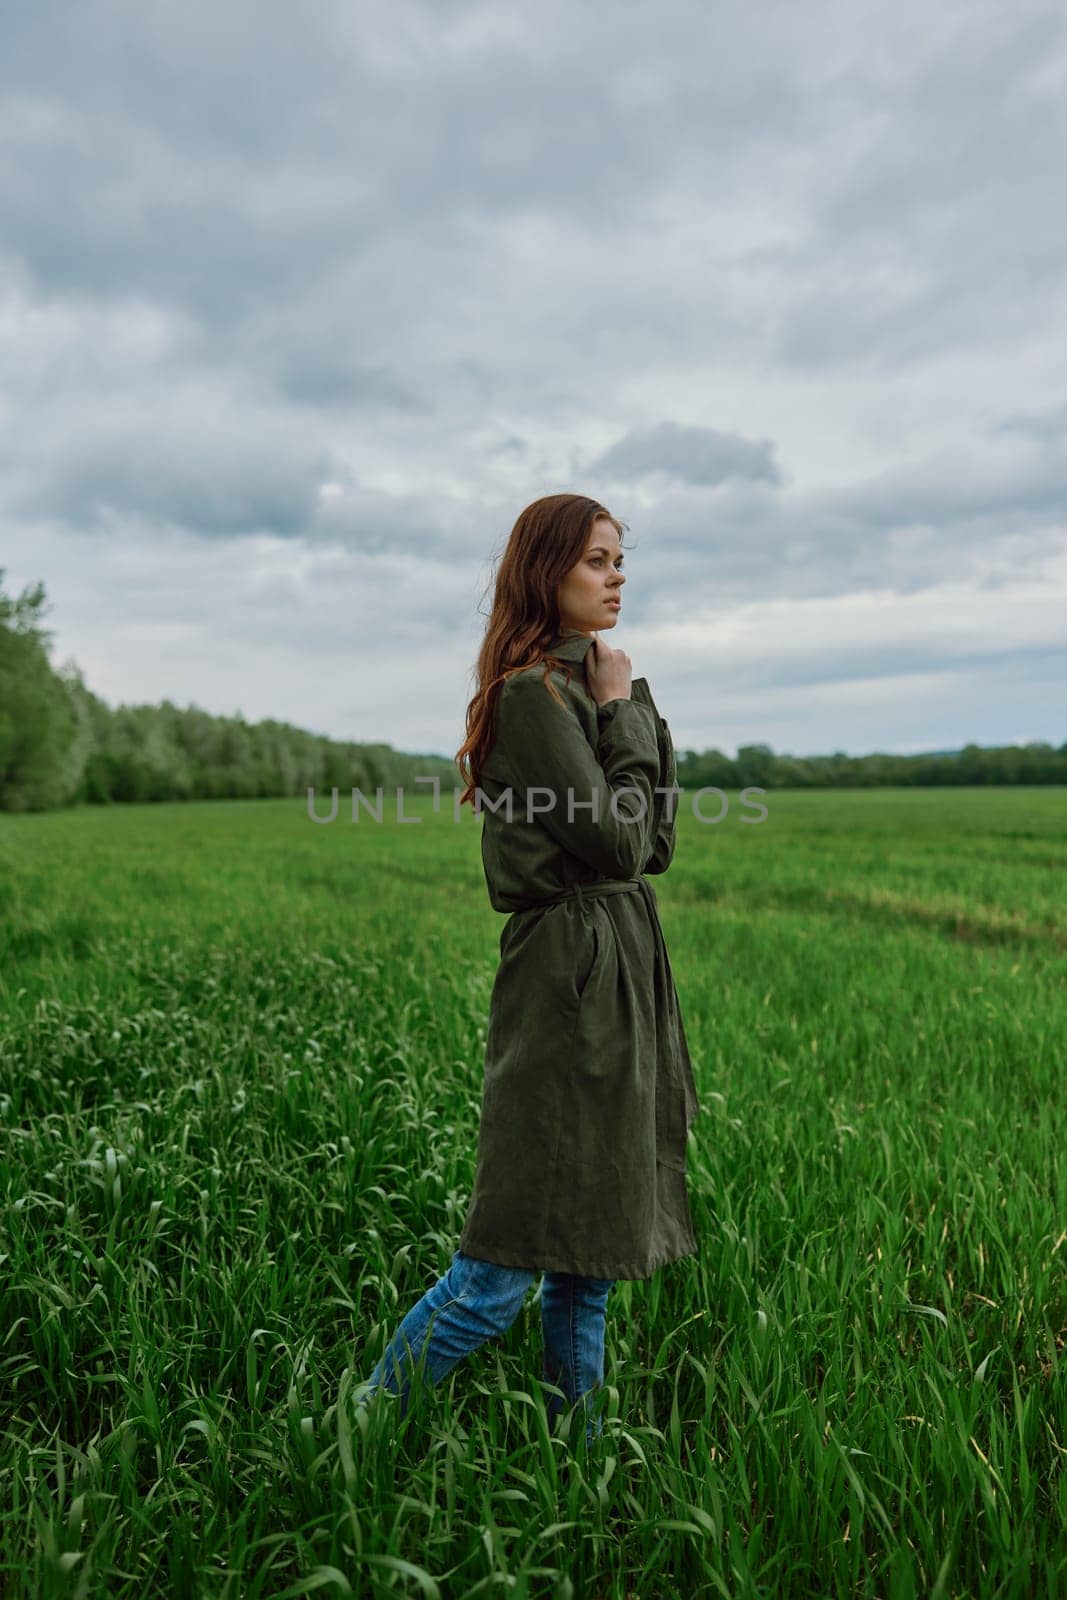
{"x": 581, "y": 891}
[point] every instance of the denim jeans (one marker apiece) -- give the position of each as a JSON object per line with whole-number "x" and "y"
{"x": 476, "y": 1299}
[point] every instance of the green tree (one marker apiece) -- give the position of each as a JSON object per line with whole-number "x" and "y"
{"x": 38, "y": 724}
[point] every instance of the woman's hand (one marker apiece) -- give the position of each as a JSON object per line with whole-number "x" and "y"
{"x": 608, "y": 673}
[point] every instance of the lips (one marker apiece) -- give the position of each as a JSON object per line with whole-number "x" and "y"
{"x": 615, "y": 603}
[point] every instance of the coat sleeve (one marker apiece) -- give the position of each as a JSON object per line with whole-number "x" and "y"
{"x": 663, "y": 835}
{"x": 599, "y": 805}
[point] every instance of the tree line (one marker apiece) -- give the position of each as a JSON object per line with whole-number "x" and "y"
{"x": 62, "y": 745}
{"x": 757, "y": 764}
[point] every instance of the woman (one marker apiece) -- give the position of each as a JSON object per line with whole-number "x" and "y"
{"x": 588, "y": 1090}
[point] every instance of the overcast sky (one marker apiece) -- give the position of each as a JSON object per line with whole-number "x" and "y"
{"x": 301, "y": 304}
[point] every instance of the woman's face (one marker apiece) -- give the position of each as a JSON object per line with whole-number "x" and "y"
{"x": 586, "y": 593}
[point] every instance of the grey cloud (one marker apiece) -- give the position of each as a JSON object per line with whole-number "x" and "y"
{"x": 849, "y": 319}
{"x": 948, "y": 216}
{"x": 961, "y": 121}
{"x": 1048, "y": 426}
{"x": 239, "y": 164}
{"x": 692, "y": 455}
{"x": 1041, "y": 662}
{"x": 372, "y": 521}
{"x": 212, "y": 481}
{"x": 328, "y": 379}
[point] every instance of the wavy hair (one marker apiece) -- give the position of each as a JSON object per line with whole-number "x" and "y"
{"x": 548, "y": 539}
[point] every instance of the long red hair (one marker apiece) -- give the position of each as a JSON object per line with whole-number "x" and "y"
{"x": 548, "y": 539}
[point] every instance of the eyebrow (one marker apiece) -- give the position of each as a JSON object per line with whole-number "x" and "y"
{"x": 602, "y": 550}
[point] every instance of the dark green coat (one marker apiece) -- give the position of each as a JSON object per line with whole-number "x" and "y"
{"x": 588, "y": 1091}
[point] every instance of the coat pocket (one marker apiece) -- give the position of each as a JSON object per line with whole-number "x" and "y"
{"x": 590, "y": 954}
{"x": 667, "y": 757}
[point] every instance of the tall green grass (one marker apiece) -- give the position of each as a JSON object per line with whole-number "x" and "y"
{"x": 240, "y": 1073}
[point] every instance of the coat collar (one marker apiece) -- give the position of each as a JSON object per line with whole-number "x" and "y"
{"x": 575, "y": 646}
{"x": 570, "y": 646}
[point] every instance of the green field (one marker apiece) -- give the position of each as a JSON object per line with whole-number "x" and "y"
{"x": 240, "y": 1074}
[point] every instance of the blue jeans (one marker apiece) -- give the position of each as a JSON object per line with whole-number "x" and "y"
{"x": 476, "y": 1299}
